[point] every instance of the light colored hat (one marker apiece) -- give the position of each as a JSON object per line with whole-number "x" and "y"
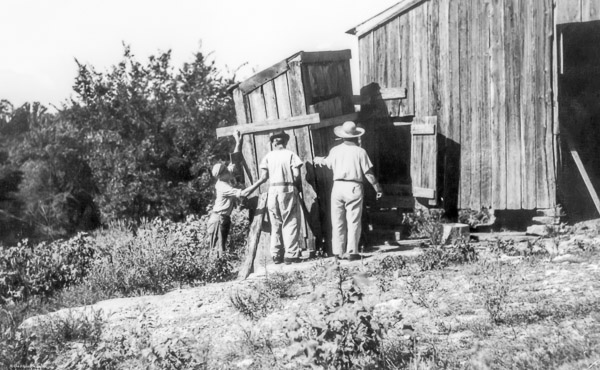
{"x": 218, "y": 169}
{"x": 348, "y": 130}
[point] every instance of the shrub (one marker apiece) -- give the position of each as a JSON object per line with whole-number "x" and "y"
{"x": 27, "y": 270}
{"x": 493, "y": 281}
{"x": 425, "y": 224}
{"x": 42, "y": 343}
{"x": 387, "y": 269}
{"x": 437, "y": 257}
{"x": 159, "y": 256}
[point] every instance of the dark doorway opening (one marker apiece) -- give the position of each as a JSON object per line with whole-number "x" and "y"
{"x": 579, "y": 114}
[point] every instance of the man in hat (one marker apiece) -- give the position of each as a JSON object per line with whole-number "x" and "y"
{"x": 350, "y": 165}
{"x": 219, "y": 221}
{"x": 281, "y": 167}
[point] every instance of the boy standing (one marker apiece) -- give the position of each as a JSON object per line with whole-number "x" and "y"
{"x": 227, "y": 197}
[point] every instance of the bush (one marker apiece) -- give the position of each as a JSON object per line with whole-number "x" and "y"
{"x": 437, "y": 257}
{"x": 343, "y": 334}
{"x": 493, "y": 281}
{"x": 41, "y": 344}
{"x": 425, "y": 224}
{"x": 158, "y": 256}
{"x": 27, "y": 270}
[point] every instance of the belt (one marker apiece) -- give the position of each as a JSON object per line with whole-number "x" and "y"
{"x": 344, "y": 180}
{"x": 282, "y": 184}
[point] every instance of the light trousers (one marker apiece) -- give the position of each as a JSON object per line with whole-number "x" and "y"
{"x": 346, "y": 214}
{"x": 284, "y": 213}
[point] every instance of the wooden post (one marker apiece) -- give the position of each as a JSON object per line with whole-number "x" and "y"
{"x": 254, "y": 237}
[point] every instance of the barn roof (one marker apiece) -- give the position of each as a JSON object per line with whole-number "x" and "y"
{"x": 383, "y": 17}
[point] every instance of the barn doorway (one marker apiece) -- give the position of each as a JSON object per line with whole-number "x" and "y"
{"x": 579, "y": 115}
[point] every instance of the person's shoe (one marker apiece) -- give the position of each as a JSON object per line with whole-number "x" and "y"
{"x": 354, "y": 257}
{"x": 289, "y": 261}
{"x": 277, "y": 260}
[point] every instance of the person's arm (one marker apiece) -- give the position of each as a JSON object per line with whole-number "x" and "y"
{"x": 370, "y": 176}
{"x": 264, "y": 176}
{"x": 237, "y": 135}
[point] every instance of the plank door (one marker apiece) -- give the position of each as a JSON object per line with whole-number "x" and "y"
{"x": 423, "y": 159}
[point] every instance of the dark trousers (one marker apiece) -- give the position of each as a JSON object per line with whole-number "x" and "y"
{"x": 218, "y": 229}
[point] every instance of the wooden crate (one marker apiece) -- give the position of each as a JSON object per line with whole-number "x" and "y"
{"x": 303, "y": 84}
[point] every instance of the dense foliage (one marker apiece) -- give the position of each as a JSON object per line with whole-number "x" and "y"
{"x": 135, "y": 141}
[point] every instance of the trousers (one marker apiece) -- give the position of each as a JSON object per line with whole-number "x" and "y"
{"x": 284, "y": 213}
{"x": 217, "y": 229}
{"x": 346, "y": 214}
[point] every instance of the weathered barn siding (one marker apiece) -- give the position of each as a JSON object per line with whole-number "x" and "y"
{"x": 485, "y": 69}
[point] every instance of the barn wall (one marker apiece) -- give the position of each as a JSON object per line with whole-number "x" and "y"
{"x": 485, "y": 69}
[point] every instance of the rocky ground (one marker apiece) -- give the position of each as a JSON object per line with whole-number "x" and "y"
{"x": 548, "y": 317}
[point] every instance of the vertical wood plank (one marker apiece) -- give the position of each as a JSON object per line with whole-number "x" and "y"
{"x": 498, "y": 104}
{"x": 248, "y": 152}
{"x": 476, "y": 93}
{"x": 394, "y": 74}
{"x": 257, "y": 105}
{"x": 433, "y": 51}
{"x": 465, "y": 106}
{"x": 380, "y": 55}
{"x": 513, "y": 26}
{"x": 484, "y": 108}
{"x": 528, "y": 118}
{"x": 549, "y": 123}
{"x": 282, "y": 93}
{"x": 270, "y": 100}
{"x": 541, "y": 179}
{"x": 406, "y": 66}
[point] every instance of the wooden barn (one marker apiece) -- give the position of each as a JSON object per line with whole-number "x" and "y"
{"x": 515, "y": 87}
{"x": 468, "y": 104}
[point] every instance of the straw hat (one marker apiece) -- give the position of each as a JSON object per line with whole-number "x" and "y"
{"x": 280, "y": 134}
{"x": 348, "y": 130}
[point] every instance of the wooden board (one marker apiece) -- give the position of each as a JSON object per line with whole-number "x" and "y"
{"x": 423, "y": 157}
{"x": 498, "y": 104}
{"x": 465, "y": 107}
{"x": 271, "y": 125}
{"x": 253, "y": 238}
{"x": 513, "y": 28}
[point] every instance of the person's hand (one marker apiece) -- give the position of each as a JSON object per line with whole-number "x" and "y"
{"x": 319, "y": 161}
{"x": 237, "y": 135}
{"x": 379, "y": 195}
{"x": 245, "y": 193}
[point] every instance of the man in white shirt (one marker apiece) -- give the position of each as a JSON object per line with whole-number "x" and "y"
{"x": 281, "y": 167}
{"x": 350, "y": 165}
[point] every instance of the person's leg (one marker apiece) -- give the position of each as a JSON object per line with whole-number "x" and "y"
{"x": 213, "y": 231}
{"x": 354, "y": 208}
{"x": 338, "y": 219}
{"x": 276, "y": 247}
{"x": 224, "y": 232}
{"x": 290, "y": 215}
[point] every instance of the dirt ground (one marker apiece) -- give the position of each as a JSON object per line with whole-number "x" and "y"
{"x": 550, "y": 317}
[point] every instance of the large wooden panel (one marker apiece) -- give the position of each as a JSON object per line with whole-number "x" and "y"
{"x": 483, "y": 67}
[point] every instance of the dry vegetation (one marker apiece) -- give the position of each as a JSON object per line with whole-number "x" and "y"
{"x": 496, "y": 305}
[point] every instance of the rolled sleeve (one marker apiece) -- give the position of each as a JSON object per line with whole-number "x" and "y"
{"x": 296, "y": 161}
{"x": 365, "y": 162}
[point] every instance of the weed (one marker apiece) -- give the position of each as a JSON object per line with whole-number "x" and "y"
{"x": 493, "y": 281}
{"x": 425, "y": 224}
{"x": 421, "y": 287}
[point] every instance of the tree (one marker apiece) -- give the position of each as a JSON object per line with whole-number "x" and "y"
{"x": 149, "y": 133}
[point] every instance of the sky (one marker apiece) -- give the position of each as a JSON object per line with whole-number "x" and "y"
{"x": 40, "y": 39}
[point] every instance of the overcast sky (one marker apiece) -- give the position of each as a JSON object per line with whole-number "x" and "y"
{"x": 39, "y": 39}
